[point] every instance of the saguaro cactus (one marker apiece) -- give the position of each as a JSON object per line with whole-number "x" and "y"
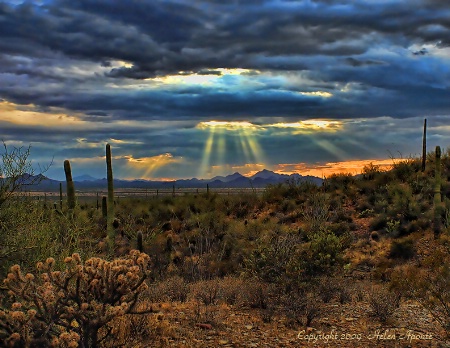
{"x": 70, "y": 185}
{"x": 104, "y": 207}
{"x": 437, "y": 202}
{"x": 424, "y": 145}
{"x": 110, "y": 215}
{"x": 140, "y": 246}
{"x": 60, "y": 197}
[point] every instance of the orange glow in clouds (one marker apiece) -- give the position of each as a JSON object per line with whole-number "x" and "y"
{"x": 324, "y": 170}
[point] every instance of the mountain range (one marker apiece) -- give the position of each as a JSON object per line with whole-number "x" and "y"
{"x": 236, "y": 180}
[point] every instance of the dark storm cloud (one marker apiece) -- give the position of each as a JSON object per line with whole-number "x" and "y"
{"x": 46, "y": 47}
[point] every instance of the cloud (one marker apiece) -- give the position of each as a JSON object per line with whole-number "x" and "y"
{"x": 142, "y": 74}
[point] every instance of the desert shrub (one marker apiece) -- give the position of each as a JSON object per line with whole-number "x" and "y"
{"x": 29, "y": 233}
{"x": 403, "y": 202}
{"x": 72, "y": 305}
{"x": 316, "y": 212}
{"x": 301, "y": 307}
{"x": 383, "y": 303}
{"x": 339, "y": 181}
{"x": 405, "y": 169}
{"x": 393, "y": 227}
{"x": 366, "y": 212}
{"x": 378, "y": 223}
{"x": 371, "y": 171}
{"x": 205, "y": 294}
{"x": 330, "y": 287}
{"x": 255, "y": 294}
{"x": 339, "y": 228}
{"x": 320, "y": 256}
{"x": 205, "y": 291}
{"x": 171, "y": 289}
{"x": 344, "y": 293}
{"x": 231, "y": 289}
{"x": 270, "y": 260}
{"x": 132, "y": 330}
{"x": 402, "y": 249}
{"x": 429, "y": 285}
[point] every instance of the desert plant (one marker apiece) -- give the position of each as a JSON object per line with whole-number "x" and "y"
{"x": 429, "y": 285}
{"x": 16, "y": 172}
{"x": 302, "y": 307}
{"x": 71, "y": 202}
{"x": 74, "y": 304}
{"x": 321, "y": 256}
{"x": 104, "y": 207}
{"x": 110, "y": 205}
{"x": 171, "y": 289}
{"x": 402, "y": 249}
{"x": 437, "y": 201}
{"x": 60, "y": 196}
{"x": 140, "y": 246}
{"x": 424, "y": 145}
{"x": 383, "y": 303}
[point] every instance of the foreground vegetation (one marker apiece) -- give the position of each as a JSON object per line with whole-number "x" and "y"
{"x": 286, "y": 254}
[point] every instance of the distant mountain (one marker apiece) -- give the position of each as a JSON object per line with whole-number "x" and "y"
{"x": 84, "y": 177}
{"x": 228, "y": 178}
{"x": 236, "y": 180}
{"x": 267, "y": 174}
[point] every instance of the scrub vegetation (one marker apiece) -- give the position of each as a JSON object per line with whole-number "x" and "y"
{"x": 194, "y": 270}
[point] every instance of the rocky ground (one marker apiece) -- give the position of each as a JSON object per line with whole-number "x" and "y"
{"x": 338, "y": 325}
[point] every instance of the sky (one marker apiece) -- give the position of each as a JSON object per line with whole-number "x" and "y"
{"x": 198, "y": 88}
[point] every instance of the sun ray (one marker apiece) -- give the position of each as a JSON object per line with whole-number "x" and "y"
{"x": 220, "y": 141}
{"x": 331, "y": 148}
{"x": 204, "y": 166}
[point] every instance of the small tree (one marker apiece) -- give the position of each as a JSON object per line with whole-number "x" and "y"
{"x": 16, "y": 171}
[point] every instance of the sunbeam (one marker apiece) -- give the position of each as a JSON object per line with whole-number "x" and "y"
{"x": 223, "y": 136}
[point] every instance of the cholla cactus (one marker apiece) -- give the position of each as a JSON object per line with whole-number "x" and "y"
{"x": 68, "y": 308}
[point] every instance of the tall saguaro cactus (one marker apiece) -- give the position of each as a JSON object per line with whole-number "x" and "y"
{"x": 110, "y": 205}
{"x": 60, "y": 197}
{"x": 424, "y": 145}
{"x": 70, "y": 185}
{"x": 437, "y": 202}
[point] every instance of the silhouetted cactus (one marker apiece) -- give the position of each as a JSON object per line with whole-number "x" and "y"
{"x": 140, "y": 245}
{"x": 110, "y": 215}
{"x": 70, "y": 185}
{"x": 104, "y": 207}
{"x": 60, "y": 196}
{"x": 424, "y": 145}
{"x": 207, "y": 189}
{"x": 438, "y": 206}
{"x": 173, "y": 190}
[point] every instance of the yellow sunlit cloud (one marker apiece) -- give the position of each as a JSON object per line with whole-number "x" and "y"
{"x": 198, "y": 78}
{"x": 27, "y": 115}
{"x": 317, "y": 94}
{"x": 145, "y": 166}
{"x": 193, "y": 79}
{"x": 308, "y": 125}
{"x": 229, "y": 125}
